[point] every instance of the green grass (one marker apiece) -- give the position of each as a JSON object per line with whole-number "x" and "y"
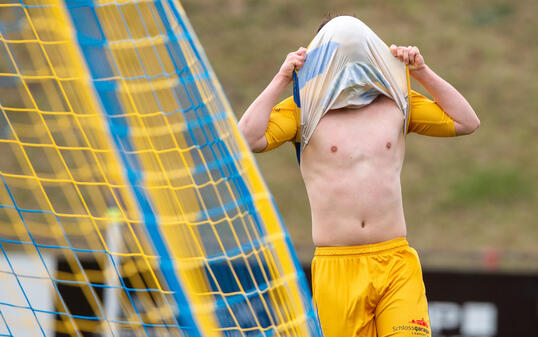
{"x": 496, "y": 185}
{"x": 491, "y": 12}
{"x": 461, "y": 195}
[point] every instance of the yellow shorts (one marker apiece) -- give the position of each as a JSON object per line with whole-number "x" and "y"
{"x": 370, "y": 290}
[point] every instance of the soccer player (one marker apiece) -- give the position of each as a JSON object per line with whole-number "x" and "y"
{"x": 366, "y": 279}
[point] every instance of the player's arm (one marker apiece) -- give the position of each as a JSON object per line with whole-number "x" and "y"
{"x": 445, "y": 95}
{"x": 254, "y": 122}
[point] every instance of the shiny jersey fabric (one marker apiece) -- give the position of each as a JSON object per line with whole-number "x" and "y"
{"x": 425, "y": 117}
{"x": 347, "y": 65}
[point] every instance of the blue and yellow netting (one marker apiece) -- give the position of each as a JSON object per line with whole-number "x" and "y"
{"x": 129, "y": 203}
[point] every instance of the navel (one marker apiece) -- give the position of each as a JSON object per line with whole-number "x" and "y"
{"x": 363, "y": 224}
{"x": 334, "y": 148}
{"x": 389, "y": 145}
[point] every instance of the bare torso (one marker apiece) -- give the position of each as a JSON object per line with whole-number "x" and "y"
{"x": 351, "y": 169}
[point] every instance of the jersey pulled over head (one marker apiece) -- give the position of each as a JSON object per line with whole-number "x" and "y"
{"x": 347, "y": 65}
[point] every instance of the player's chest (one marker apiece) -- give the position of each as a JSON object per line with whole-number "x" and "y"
{"x": 359, "y": 133}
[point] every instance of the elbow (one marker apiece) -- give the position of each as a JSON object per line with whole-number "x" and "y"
{"x": 474, "y": 125}
{"x": 477, "y": 124}
{"x": 469, "y": 127}
{"x": 474, "y": 122}
{"x": 243, "y": 128}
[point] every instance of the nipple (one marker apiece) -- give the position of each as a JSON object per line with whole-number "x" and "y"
{"x": 389, "y": 145}
{"x": 334, "y": 149}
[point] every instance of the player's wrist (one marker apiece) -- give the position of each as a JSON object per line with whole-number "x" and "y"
{"x": 419, "y": 72}
{"x": 282, "y": 78}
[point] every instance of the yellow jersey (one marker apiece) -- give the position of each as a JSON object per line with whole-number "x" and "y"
{"x": 425, "y": 117}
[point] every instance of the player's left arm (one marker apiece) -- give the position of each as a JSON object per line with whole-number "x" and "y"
{"x": 445, "y": 95}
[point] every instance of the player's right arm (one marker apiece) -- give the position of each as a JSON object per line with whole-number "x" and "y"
{"x": 253, "y": 124}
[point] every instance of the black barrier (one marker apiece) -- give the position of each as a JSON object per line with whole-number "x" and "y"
{"x": 464, "y": 304}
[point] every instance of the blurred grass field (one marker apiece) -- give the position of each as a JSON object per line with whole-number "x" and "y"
{"x": 465, "y": 198}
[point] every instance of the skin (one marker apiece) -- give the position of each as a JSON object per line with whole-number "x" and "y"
{"x": 352, "y": 164}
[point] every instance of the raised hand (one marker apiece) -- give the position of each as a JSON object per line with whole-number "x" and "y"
{"x": 410, "y": 56}
{"x": 294, "y": 61}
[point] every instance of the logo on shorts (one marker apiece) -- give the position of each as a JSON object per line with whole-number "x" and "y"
{"x": 420, "y": 322}
{"x": 416, "y": 327}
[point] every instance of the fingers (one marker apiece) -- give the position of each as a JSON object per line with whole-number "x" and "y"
{"x": 393, "y": 49}
{"x": 402, "y": 53}
{"x": 408, "y": 55}
{"x": 294, "y": 61}
{"x": 297, "y": 58}
{"x": 413, "y": 53}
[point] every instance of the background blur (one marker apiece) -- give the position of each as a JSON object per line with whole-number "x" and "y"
{"x": 470, "y": 202}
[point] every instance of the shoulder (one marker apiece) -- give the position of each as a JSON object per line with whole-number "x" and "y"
{"x": 287, "y": 109}
{"x": 284, "y": 124}
{"x": 287, "y": 105}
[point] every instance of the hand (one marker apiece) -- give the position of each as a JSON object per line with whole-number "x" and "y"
{"x": 294, "y": 61}
{"x": 410, "y": 56}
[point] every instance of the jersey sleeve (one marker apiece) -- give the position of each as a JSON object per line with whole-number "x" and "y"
{"x": 427, "y": 118}
{"x": 283, "y": 124}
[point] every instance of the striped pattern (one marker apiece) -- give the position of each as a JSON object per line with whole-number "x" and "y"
{"x": 129, "y": 202}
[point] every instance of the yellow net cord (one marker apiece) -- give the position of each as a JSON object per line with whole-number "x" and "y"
{"x": 129, "y": 201}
